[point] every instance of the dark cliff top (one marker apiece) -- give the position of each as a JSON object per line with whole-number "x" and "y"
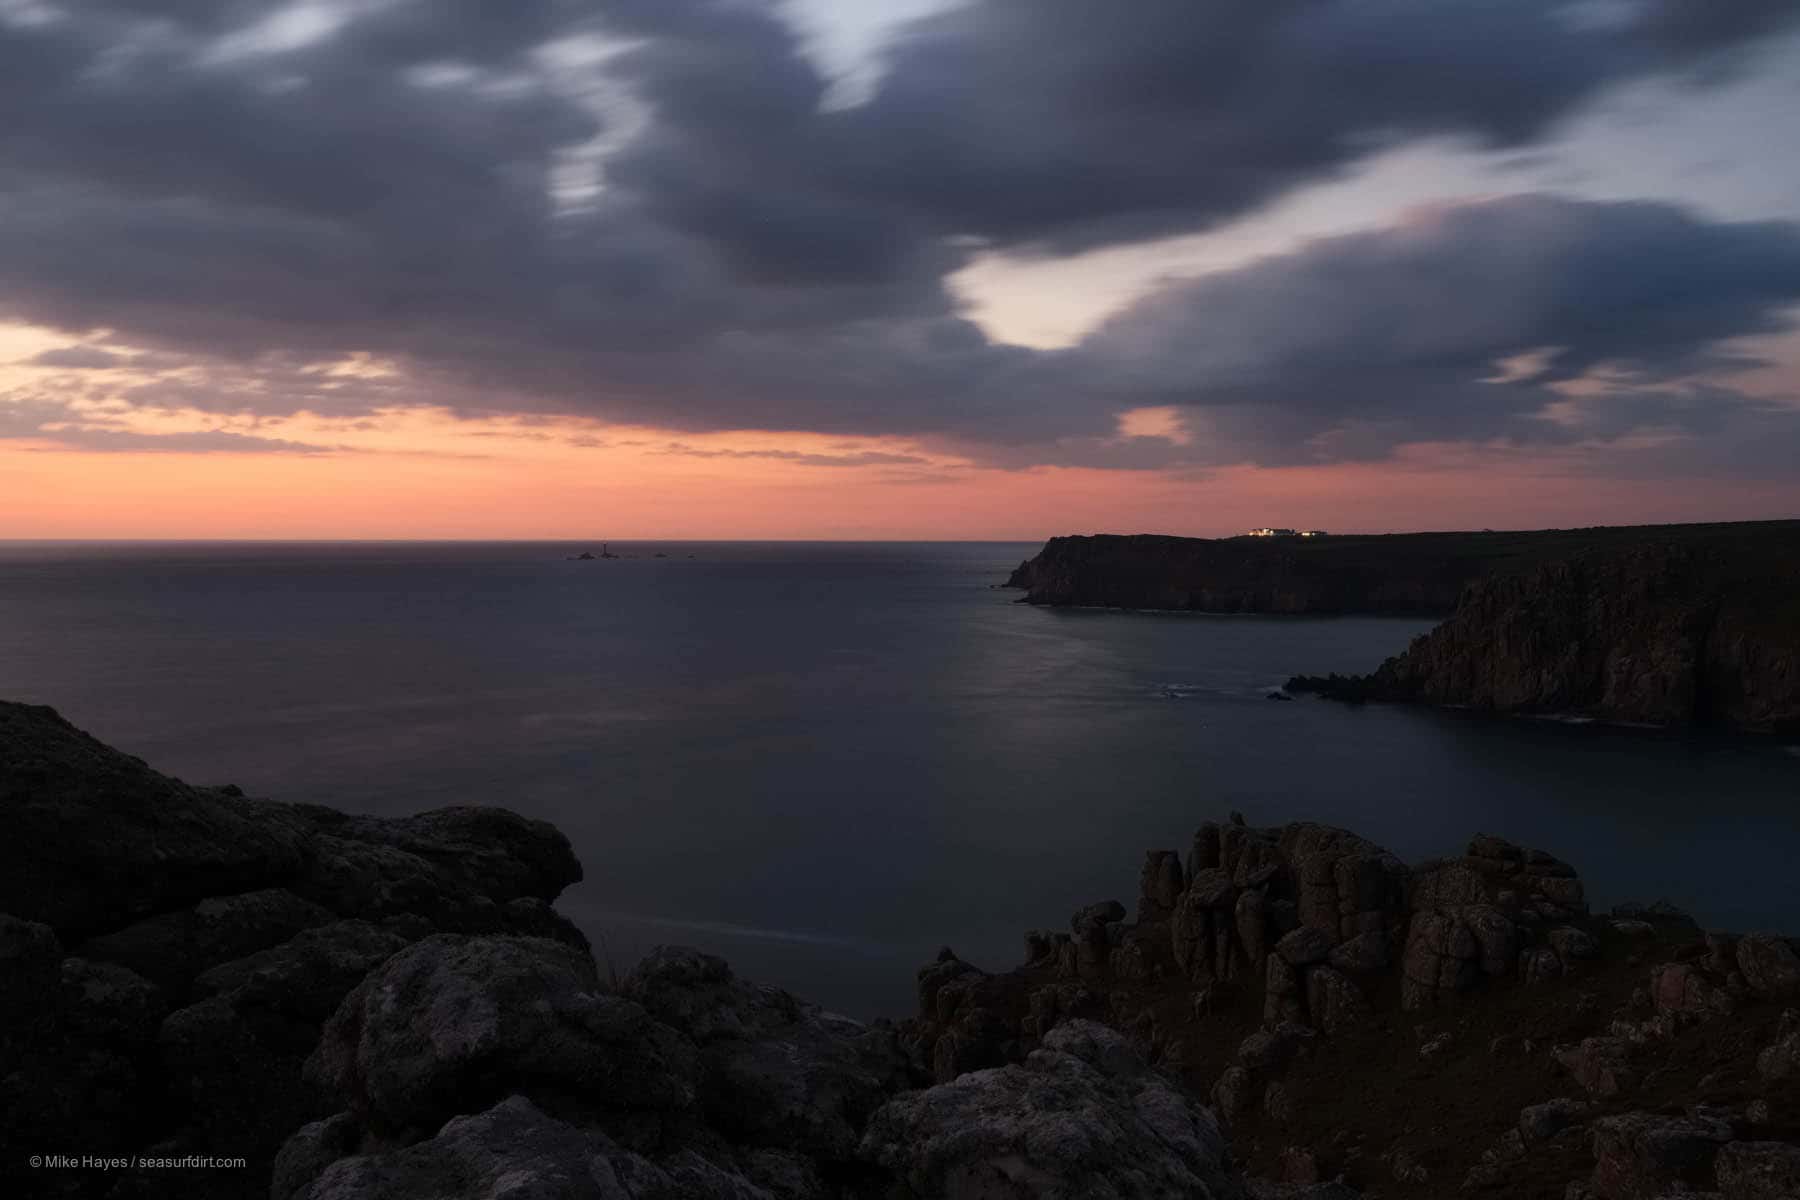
{"x": 1420, "y": 573}
{"x": 1492, "y": 547}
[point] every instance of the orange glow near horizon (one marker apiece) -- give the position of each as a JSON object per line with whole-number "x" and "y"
{"x": 423, "y": 473}
{"x": 531, "y": 483}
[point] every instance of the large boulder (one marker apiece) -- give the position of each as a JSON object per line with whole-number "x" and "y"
{"x": 1770, "y": 966}
{"x": 169, "y": 949}
{"x": 1159, "y": 884}
{"x": 513, "y": 1150}
{"x": 88, "y": 1071}
{"x": 1305, "y": 946}
{"x": 1601, "y": 1065}
{"x": 1541, "y": 1122}
{"x": 1203, "y": 928}
{"x": 1638, "y": 1155}
{"x": 433, "y": 861}
{"x": 1081, "y": 1117}
{"x": 1333, "y": 1002}
{"x": 774, "y": 1071}
{"x": 232, "y": 1060}
{"x": 75, "y": 1044}
{"x": 453, "y": 1023}
{"x": 1781, "y": 1058}
{"x": 1759, "y": 1171}
{"x": 30, "y": 975}
{"x": 1442, "y": 958}
{"x": 1347, "y": 884}
{"x": 1684, "y": 990}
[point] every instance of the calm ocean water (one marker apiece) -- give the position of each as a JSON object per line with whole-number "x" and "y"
{"x": 823, "y": 761}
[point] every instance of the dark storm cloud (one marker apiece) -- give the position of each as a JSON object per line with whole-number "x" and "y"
{"x": 1690, "y": 24}
{"x": 1070, "y": 124}
{"x": 1356, "y": 343}
{"x": 223, "y": 183}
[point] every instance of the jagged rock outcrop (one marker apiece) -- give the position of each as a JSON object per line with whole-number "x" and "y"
{"x": 1680, "y": 635}
{"x": 1310, "y": 916}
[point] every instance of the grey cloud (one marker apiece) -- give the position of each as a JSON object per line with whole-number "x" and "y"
{"x": 78, "y": 358}
{"x": 1357, "y": 343}
{"x": 42, "y": 418}
{"x": 758, "y": 260}
{"x": 207, "y": 441}
{"x": 859, "y": 458}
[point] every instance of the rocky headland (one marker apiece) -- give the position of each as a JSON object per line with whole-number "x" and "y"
{"x": 1679, "y": 625}
{"x": 363, "y": 1008}
{"x": 1412, "y": 574}
{"x": 1685, "y": 635}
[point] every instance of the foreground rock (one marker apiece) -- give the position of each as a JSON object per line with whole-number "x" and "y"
{"x": 688, "y": 1082}
{"x": 1081, "y": 1116}
{"x": 1512, "y": 1043}
{"x": 171, "y": 952}
{"x": 393, "y": 1010}
{"x": 369, "y": 1008}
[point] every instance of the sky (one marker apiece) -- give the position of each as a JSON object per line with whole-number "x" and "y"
{"x": 894, "y": 268}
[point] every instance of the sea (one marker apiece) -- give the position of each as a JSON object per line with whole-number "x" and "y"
{"x": 823, "y": 761}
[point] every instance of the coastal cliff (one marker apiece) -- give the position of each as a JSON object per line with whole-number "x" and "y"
{"x": 1688, "y": 635}
{"x": 1415, "y": 574}
{"x": 204, "y": 994}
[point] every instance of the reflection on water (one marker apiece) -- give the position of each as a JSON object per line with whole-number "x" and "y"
{"x": 823, "y": 761}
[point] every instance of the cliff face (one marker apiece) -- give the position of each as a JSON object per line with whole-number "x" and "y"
{"x": 1668, "y": 635}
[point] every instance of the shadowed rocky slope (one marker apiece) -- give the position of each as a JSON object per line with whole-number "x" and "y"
{"x": 371, "y": 1009}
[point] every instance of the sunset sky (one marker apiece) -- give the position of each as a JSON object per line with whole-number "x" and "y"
{"x": 894, "y": 268}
